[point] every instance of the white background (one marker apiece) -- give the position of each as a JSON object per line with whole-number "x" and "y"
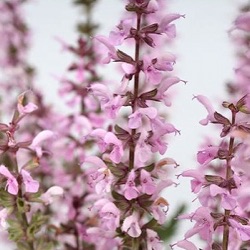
{"x": 206, "y": 59}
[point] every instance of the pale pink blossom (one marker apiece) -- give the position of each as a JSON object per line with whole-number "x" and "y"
{"x": 51, "y": 193}
{"x": 130, "y": 189}
{"x": 147, "y": 184}
{"x": 39, "y": 139}
{"x": 11, "y": 185}
{"x": 31, "y": 185}
{"x": 153, "y": 241}
{"x": 207, "y": 104}
{"x": 131, "y": 225}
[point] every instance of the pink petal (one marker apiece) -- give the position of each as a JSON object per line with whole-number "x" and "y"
{"x": 40, "y": 137}
{"x": 207, "y": 104}
{"x": 11, "y": 185}
{"x": 185, "y": 244}
{"x": 96, "y": 161}
{"x": 31, "y": 185}
{"x": 5, "y": 172}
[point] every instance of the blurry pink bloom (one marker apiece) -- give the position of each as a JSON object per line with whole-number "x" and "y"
{"x": 11, "y": 185}
{"x": 131, "y": 225}
{"x": 152, "y": 6}
{"x": 31, "y": 185}
{"x": 206, "y": 103}
{"x": 49, "y": 195}
{"x": 243, "y": 21}
{"x": 39, "y": 139}
{"x": 3, "y": 217}
{"x": 28, "y": 108}
{"x": 130, "y": 190}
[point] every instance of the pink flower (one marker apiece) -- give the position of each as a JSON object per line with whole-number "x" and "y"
{"x": 131, "y": 225}
{"x": 28, "y": 108}
{"x": 163, "y": 87}
{"x": 197, "y": 182}
{"x": 153, "y": 67}
{"x": 130, "y": 190}
{"x": 135, "y": 119}
{"x": 185, "y": 244}
{"x": 110, "y": 216}
{"x": 111, "y": 55}
{"x": 117, "y": 151}
{"x": 39, "y": 139}
{"x": 242, "y": 230}
{"x": 143, "y": 149}
{"x": 228, "y": 201}
{"x": 243, "y": 21}
{"x": 206, "y": 103}
{"x": 11, "y": 185}
{"x": 122, "y": 32}
{"x": 31, "y": 185}
{"x": 203, "y": 226}
{"x": 101, "y": 176}
{"x": 159, "y": 210}
{"x": 147, "y": 184}
{"x": 207, "y": 155}
{"x": 166, "y": 27}
{"x": 49, "y": 195}
{"x": 153, "y": 241}
{"x": 112, "y": 107}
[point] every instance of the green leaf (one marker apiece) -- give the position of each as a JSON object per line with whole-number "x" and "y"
{"x": 22, "y": 206}
{"x": 15, "y": 230}
{"x": 6, "y": 199}
{"x": 37, "y": 220}
{"x": 150, "y": 167}
{"x": 116, "y": 171}
{"x": 23, "y": 246}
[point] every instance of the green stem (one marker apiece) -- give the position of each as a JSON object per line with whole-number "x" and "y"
{"x": 136, "y": 90}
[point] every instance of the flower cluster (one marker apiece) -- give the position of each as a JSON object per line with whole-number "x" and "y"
{"x": 127, "y": 179}
{"x": 21, "y": 200}
{"x": 221, "y": 180}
